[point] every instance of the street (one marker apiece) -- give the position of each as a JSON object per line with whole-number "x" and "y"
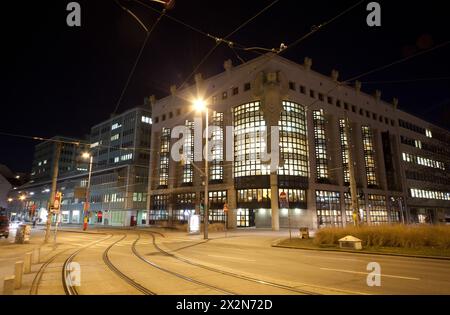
{"x": 157, "y": 261}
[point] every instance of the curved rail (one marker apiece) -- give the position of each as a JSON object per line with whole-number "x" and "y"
{"x": 69, "y": 287}
{"x": 175, "y": 273}
{"x": 231, "y": 274}
{"x": 119, "y": 273}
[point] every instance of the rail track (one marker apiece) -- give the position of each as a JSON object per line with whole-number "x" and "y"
{"x": 222, "y": 272}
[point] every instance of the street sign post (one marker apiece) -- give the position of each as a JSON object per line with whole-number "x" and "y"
{"x": 56, "y": 210}
{"x": 225, "y": 211}
{"x": 284, "y": 204}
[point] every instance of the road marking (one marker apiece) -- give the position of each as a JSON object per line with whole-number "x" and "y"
{"x": 218, "y": 256}
{"x": 366, "y": 273}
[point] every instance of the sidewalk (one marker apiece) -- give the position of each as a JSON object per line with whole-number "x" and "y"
{"x": 278, "y": 244}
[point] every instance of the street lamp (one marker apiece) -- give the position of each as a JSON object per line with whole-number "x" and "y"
{"x": 200, "y": 105}
{"x": 86, "y": 155}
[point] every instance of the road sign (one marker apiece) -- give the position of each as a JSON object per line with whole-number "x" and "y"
{"x": 284, "y": 203}
{"x": 57, "y": 203}
{"x": 225, "y": 208}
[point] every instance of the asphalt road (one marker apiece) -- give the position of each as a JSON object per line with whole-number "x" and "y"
{"x": 244, "y": 262}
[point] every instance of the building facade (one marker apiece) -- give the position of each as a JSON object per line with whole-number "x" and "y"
{"x": 120, "y": 148}
{"x": 401, "y": 161}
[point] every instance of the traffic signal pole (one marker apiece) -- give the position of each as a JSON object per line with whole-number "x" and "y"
{"x": 53, "y": 191}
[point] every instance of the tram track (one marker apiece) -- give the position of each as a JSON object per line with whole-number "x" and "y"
{"x": 215, "y": 270}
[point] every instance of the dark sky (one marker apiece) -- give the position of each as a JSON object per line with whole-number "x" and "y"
{"x": 61, "y": 80}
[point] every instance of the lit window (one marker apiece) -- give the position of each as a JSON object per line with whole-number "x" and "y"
{"x": 369, "y": 156}
{"x": 115, "y": 137}
{"x": 95, "y": 144}
{"x": 164, "y": 153}
{"x": 428, "y": 133}
{"x": 116, "y": 159}
{"x": 344, "y": 150}
{"x": 115, "y": 126}
{"x": 188, "y": 149}
{"x": 216, "y": 164}
{"x": 320, "y": 141}
{"x": 328, "y": 207}
{"x": 249, "y": 124}
{"x": 293, "y": 140}
{"x": 146, "y": 120}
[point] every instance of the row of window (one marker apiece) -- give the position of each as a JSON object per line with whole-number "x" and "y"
{"x": 369, "y": 156}
{"x": 339, "y": 103}
{"x": 320, "y": 141}
{"x": 328, "y": 205}
{"x": 427, "y": 177}
{"x": 425, "y": 146}
{"x": 429, "y": 194}
{"x": 146, "y": 120}
{"x": 419, "y": 160}
{"x": 415, "y": 128}
{"x": 188, "y": 200}
{"x": 234, "y": 91}
{"x": 164, "y": 116}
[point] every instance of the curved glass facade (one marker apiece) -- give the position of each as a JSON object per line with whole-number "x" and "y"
{"x": 249, "y": 127}
{"x": 293, "y": 140}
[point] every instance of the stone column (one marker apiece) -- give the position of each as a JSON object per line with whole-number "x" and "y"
{"x": 274, "y": 201}
{"x": 232, "y": 205}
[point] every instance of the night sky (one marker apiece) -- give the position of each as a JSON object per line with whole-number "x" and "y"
{"x": 58, "y": 80}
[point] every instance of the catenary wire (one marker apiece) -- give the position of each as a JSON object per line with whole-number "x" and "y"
{"x": 149, "y": 32}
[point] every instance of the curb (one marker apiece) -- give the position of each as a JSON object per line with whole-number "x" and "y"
{"x": 276, "y": 244}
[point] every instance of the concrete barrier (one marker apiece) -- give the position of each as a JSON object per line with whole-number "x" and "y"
{"x": 36, "y": 255}
{"x": 18, "y": 274}
{"x": 27, "y": 263}
{"x": 8, "y": 285}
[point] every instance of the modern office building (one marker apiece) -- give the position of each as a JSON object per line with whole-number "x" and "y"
{"x": 69, "y": 161}
{"x": 401, "y": 161}
{"x": 120, "y": 148}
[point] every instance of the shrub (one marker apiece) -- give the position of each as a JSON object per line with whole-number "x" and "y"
{"x": 411, "y": 236}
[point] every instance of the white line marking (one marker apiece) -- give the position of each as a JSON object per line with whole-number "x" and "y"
{"x": 218, "y": 256}
{"x": 366, "y": 273}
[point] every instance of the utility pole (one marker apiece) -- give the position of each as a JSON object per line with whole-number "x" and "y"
{"x": 351, "y": 171}
{"x": 206, "y": 217}
{"x": 53, "y": 190}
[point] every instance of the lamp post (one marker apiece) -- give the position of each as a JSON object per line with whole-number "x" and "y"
{"x": 202, "y": 106}
{"x": 86, "y": 204}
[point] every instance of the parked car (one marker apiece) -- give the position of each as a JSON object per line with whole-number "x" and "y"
{"x": 4, "y": 226}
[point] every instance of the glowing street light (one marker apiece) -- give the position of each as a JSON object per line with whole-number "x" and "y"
{"x": 10, "y": 199}
{"x": 22, "y": 197}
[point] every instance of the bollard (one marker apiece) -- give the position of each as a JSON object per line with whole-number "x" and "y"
{"x": 8, "y": 285}
{"x": 27, "y": 263}
{"x": 18, "y": 274}
{"x": 36, "y": 255}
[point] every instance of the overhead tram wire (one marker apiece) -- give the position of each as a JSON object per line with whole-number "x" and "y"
{"x": 407, "y": 80}
{"x": 296, "y": 42}
{"x": 398, "y": 61}
{"x": 148, "y": 33}
{"x": 224, "y": 39}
